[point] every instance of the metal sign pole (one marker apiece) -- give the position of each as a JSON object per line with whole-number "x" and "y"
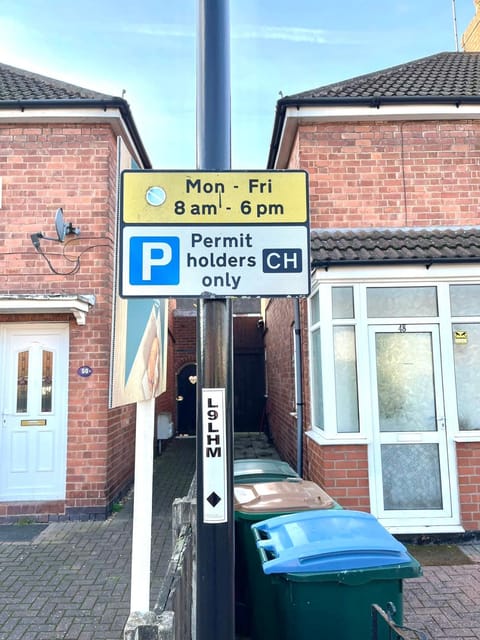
{"x": 215, "y": 586}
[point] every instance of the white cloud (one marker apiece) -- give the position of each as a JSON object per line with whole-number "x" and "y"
{"x": 253, "y": 32}
{"x": 289, "y": 34}
{"x": 164, "y": 30}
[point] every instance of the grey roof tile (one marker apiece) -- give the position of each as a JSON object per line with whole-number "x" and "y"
{"x": 18, "y": 84}
{"x": 447, "y": 74}
{"x": 24, "y": 89}
{"x": 397, "y": 245}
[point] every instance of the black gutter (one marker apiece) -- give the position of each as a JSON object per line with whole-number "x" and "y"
{"x": 87, "y": 103}
{"x": 326, "y": 264}
{"x": 374, "y": 102}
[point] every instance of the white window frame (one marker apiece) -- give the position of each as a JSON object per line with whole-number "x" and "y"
{"x": 360, "y": 278}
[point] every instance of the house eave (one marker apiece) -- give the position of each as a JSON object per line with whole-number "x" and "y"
{"x": 115, "y": 112}
{"x": 77, "y": 305}
{"x": 290, "y": 113}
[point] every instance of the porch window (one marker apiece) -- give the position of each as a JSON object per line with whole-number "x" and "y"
{"x": 465, "y": 302}
{"x": 333, "y": 348}
{"x": 465, "y": 299}
{"x": 342, "y": 303}
{"x": 466, "y": 353}
{"x": 346, "y": 379}
{"x": 345, "y": 334}
{"x": 317, "y": 386}
{"x": 398, "y": 302}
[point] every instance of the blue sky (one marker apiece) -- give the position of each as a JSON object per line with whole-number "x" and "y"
{"x": 148, "y": 49}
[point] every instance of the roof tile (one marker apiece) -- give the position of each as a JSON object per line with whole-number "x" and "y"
{"x": 399, "y": 245}
{"x": 447, "y": 74}
{"x": 18, "y": 85}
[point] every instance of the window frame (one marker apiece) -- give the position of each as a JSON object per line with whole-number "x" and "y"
{"x": 360, "y": 279}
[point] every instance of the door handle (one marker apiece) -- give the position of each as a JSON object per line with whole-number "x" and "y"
{"x": 441, "y": 423}
{"x": 179, "y": 398}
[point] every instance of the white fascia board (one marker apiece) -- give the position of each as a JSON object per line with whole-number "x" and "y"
{"x": 110, "y": 116}
{"x": 314, "y": 114}
{"x": 415, "y": 273}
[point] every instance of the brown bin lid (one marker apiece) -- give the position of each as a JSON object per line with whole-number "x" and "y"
{"x": 280, "y": 497}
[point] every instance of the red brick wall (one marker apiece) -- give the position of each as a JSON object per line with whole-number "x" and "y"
{"x": 468, "y": 463}
{"x": 279, "y": 318}
{"x": 185, "y": 332}
{"x": 74, "y": 167}
{"x": 390, "y": 174}
{"x": 342, "y": 470}
{"x": 373, "y": 174}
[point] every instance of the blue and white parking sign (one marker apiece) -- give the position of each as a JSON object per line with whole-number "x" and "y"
{"x": 154, "y": 260}
{"x": 198, "y": 261}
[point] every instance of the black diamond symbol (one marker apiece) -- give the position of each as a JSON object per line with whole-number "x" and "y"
{"x": 213, "y": 499}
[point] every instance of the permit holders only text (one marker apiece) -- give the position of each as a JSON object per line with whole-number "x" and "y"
{"x": 215, "y": 261}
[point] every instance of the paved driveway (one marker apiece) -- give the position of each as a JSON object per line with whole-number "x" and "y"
{"x": 445, "y": 601}
{"x": 73, "y": 581}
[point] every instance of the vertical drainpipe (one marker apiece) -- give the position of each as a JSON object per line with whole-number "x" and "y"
{"x": 298, "y": 385}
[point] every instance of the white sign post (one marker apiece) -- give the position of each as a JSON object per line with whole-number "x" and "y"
{"x": 142, "y": 508}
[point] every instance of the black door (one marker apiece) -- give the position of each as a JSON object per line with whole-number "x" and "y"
{"x": 187, "y": 400}
{"x": 249, "y": 391}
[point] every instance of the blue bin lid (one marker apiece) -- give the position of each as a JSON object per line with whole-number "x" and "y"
{"x": 322, "y": 541}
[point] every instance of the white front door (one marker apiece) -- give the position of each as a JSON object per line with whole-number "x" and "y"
{"x": 413, "y": 478}
{"x": 33, "y": 410}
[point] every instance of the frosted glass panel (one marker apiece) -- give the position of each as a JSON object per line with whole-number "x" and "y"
{"x": 465, "y": 299}
{"x": 411, "y": 476}
{"x": 314, "y": 308}
{"x": 342, "y": 302}
{"x": 406, "y": 399}
{"x": 466, "y": 351}
{"x": 398, "y": 302}
{"x": 346, "y": 379}
{"x": 317, "y": 392}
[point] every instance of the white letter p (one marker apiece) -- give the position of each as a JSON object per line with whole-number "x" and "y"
{"x": 148, "y": 261}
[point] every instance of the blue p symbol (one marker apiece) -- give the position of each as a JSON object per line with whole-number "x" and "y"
{"x": 154, "y": 261}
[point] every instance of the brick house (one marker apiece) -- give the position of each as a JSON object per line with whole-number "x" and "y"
{"x": 63, "y": 452}
{"x": 390, "y": 335}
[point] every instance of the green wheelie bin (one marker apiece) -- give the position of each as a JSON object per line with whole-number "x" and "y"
{"x": 327, "y": 569}
{"x": 254, "y": 503}
{"x": 251, "y": 470}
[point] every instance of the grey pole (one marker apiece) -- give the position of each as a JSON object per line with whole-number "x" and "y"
{"x": 215, "y": 584}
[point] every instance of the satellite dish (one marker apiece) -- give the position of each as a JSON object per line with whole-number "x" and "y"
{"x": 60, "y": 226}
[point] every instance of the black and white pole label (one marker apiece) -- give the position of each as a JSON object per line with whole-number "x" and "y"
{"x": 214, "y": 456}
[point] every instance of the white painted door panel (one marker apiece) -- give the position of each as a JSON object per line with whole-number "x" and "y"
{"x": 33, "y": 407}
